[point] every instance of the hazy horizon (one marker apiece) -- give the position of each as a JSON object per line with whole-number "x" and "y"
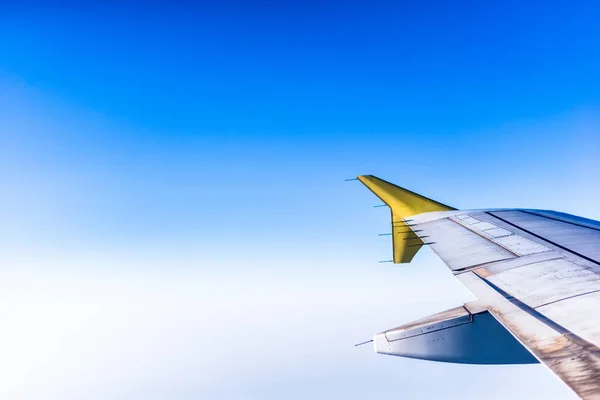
{"x": 175, "y": 221}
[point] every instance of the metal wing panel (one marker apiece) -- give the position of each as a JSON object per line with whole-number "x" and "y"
{"x": 459, "y": 247}
{"x": 573, "y": 219}
{"x": 578, "y": 314}
{"x": 505, "y": 265}
{"x": 537, "y": 272}
{"x": 519, "y": 245}
{"x": 546, "y": 282}
{"x": 573, "y": 359}
{"x": 583, "y": 241}
{"x": 546, "y": 290}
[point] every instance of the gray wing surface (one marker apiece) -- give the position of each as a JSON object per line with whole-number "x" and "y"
{"x": 536, "y": 276}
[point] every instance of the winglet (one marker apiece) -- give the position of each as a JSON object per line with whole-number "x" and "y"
{"x": 403, "y": 204}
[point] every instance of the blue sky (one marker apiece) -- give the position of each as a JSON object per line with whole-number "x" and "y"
{"x": 189, "y": 162}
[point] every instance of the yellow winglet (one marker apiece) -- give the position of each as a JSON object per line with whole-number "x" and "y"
{"x": 403, "y": 204}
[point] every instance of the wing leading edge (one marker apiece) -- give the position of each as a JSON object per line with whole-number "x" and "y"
{"x": 536, "y": 274}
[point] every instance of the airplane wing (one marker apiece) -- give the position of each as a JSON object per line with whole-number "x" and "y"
{"x": 536, "y": 276}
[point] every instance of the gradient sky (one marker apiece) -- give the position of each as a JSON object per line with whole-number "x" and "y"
{"x": 175, "y": 221}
